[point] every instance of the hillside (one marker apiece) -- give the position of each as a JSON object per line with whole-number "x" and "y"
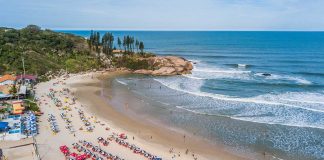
{"x": 42, "y": 51}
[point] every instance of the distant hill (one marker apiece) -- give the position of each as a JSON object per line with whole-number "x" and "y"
{"x": 43, "y": 51}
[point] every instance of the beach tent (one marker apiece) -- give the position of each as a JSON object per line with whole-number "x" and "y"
{"x": 4, "y": 126}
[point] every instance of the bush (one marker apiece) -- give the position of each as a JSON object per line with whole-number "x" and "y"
{"x": 131, "y": 62}
{"x": 30, "y": 105}
{"x": 42, "y": 50}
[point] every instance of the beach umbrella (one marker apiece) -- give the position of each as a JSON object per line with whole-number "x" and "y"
{"x": 74, "y": 154}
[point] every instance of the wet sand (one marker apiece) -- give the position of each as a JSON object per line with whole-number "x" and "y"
{"x": 149, "y": 134}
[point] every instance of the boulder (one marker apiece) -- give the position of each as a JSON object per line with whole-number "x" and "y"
{"x": 143, "y": 71}
{"x": 164, "y": 71}
{"x": 167, "y": 65}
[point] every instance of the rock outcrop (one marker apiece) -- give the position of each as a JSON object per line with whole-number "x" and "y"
{"x": 167, "y": 65}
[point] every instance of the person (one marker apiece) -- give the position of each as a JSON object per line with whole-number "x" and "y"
{"x": 133, "y": 137}
{"x": 171, "y": 150}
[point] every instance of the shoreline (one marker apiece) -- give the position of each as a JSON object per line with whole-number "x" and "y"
{"x": 90, "y": 93}
{"x": 87, "y": 89}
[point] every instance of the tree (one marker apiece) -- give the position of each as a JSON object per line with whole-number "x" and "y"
{"x": 32, "y": 28}
{"x": 119, "y": 43}
{"x": 141, "y": 47}
{"x": 90, "y": 40}
{"x": 107, "y": 43}
{"x": 13, "y": 90}
{"x": 137, "y": 45}
{"x": 124, "y": 43}
{"x": 96, "y": 41}
{"x": 132, "y": 41}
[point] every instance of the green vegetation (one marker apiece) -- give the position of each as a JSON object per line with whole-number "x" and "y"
{"x": 3, "y": 110}
{"x": 30, "y": 105}
{"x": 141, "y": 47}
{"x": 45, "y": 50}
{"x": 42, "y": 51}
{"x": 13, "y": 90}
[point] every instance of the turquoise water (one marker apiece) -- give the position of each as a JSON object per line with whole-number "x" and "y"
{"x": 248, "y": 90}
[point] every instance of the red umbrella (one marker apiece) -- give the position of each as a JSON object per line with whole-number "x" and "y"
{"x": 63, "y": 147}
{"x": 74, "y": 154}
{"x": 81, "y": 157}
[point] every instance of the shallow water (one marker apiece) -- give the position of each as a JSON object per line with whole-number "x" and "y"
{"x": 241, "y": 136}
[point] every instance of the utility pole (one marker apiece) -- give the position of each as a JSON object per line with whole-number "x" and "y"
{"x": 23, "y": 63}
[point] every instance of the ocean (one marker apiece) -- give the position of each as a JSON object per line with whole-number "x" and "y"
{"x": 255, "y": 92}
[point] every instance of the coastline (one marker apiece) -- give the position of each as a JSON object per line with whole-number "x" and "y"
{"x": 147, "y": 133}
{"x": 154, "y": 138}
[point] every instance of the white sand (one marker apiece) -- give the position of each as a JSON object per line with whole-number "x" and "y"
{"x": 49, "y": 142}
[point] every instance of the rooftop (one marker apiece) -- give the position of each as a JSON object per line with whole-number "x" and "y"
{"x": 7, "y": 77}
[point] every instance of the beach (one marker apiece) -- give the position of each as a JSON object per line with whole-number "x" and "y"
{"x": 84, "y": 90}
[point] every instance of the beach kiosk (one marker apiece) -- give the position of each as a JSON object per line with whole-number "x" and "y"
{"x": 18, "y": 107}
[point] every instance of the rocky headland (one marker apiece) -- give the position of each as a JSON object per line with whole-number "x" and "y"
{"x": 166, "y": 66}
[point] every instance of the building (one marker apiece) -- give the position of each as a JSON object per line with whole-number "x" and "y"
{"x": 5, "y": 89}
{"x": 18, "y": 107}
{"x": 5, "y": 92}
{"x": 7, "y": 80}
{"x": 29, "y": 79}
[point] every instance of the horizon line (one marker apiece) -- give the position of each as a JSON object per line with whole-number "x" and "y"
{"x": 177, "y": 30}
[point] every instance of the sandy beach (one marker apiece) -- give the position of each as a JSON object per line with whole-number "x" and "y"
{"x": 84, "y": 95}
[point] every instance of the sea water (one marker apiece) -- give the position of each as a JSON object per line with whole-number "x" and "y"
{"x": 252, "y": 91}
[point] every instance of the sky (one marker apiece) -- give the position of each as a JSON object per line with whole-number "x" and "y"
{"x": 291, "y": 15}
